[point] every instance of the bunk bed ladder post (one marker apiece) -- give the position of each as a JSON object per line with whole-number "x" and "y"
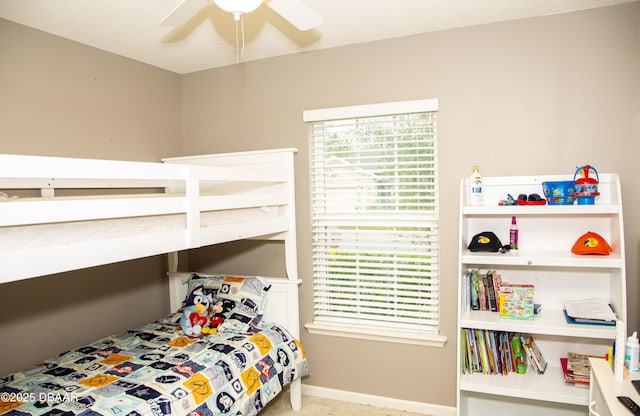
{"x": 290, "y": 247}
{"x": 296, "y": 394}
{"x": 177, "y": 289}
{"x": 291, "y": 258}
{"x": 291, "y": 268}
{"x": 192, "y": 193}
{"x": 176, "y": 286}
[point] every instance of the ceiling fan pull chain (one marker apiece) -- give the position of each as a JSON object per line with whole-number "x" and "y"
{"x": 237, "y": 55}
{"x": 239, "y": 49}
{"x": 242, "y": 28}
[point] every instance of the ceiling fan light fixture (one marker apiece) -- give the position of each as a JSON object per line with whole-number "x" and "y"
{"x": 238, "y": 7}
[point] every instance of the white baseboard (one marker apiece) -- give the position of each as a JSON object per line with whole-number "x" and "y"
{"x": 378, "y": 401}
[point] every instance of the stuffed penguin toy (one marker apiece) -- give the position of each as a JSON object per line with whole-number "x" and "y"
{"x": 196, "y": 313}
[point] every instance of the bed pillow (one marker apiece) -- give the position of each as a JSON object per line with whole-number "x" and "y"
{"x": 249, "y": 295}
{"x": 210, "y": 284}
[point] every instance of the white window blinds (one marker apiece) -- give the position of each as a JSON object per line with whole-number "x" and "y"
{"x": 375, "y": 217}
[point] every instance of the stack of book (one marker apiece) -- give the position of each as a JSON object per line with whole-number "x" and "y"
{"x": 576, "y": 369}
{"x": 486, "y": 291}
{"x": 499, "y": 352}
{"x": 534, "y": 354}
{"x": 589, "y": 311}
{"x": 482, "y": 290}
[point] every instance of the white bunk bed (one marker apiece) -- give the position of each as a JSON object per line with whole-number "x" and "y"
{"x": 76, "y": 213}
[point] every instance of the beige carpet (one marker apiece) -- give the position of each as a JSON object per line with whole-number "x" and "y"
{"x": 316, "y": 406}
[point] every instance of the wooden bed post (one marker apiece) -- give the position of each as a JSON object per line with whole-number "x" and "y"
{"x": 172, "y": 261}
{"x": 176, "y": 289}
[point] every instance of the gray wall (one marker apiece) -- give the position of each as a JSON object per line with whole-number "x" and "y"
{"x": 60, "y": 98}
{"x": 524, "y": 97}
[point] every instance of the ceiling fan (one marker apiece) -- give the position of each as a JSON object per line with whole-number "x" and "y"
{"x": 294, "y": 11}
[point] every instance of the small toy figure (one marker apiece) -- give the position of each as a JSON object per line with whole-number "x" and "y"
{"x": 217, "y": 318}
{"x": 196, "y": 313}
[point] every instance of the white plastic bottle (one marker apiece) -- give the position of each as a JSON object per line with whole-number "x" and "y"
{"x": 632, "y": 353}
{"x": 475, "y": 187}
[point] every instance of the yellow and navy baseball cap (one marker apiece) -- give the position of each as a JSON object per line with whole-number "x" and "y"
{"x": 591, "y": 243}
{"x": 485, "y": 241}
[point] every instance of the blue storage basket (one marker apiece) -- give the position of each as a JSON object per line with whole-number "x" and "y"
{"x": 559, "y": 193}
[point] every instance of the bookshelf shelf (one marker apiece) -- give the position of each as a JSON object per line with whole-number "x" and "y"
{"x": 548, "y": 386}
{"x": 550, "y": 322}
{"x": 545, "y": 260}
{"x": 571, "y": 210}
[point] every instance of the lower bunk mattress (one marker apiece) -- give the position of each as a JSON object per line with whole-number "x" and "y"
{"x": 156, "y": 370}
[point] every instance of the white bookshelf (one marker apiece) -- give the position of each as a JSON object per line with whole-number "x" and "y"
{"x": 544, "y": 258}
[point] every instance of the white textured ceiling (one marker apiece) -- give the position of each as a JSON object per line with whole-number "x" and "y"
{"x": 131, "y": 27}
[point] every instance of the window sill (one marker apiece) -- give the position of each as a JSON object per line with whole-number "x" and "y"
{"x": 386, "y": 335}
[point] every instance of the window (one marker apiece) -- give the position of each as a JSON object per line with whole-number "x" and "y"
{"x": 374, "y": 203}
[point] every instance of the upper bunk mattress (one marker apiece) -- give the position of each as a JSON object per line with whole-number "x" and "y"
{"x": 72, "y": 213}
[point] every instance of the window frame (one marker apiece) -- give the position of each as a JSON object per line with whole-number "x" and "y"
{"x": 386, "y": 334}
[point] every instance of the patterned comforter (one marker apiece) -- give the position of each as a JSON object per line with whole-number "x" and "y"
{"x": 155, "y": 370}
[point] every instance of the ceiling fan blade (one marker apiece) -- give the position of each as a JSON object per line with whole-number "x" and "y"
{"x": 296, "y": 12}
{"x": 185, "y": 10}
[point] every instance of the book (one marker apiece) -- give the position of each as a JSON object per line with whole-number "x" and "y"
{"x": 484, "y": 356}
{"x": 590, "y": 310}
{"x": 569, "y": 377}
{"x": 491, "y": 291}
{"x": 519, "y": 356}
{"x": 472, "y": 353}
{"x": 534, "y": 354}
{"x": 475, "y": 353}
{"x": 482, "y": 292}
{"x": 497, "y": 281}
{"x": 537, "y": 308}
{"x": 463, "y": 352}
{"x": 475, "y": 298}
{"x": 576, "y": 368}
{"x": 582, "y": 321}
{"x": 516, "y": 301}
{"x": 491, "y": 352}
{"x": 505, "y": 352}
{"x": 467, "y": 291}
{"x": 578, "y": 363}
{"x": 515, "y": 358}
